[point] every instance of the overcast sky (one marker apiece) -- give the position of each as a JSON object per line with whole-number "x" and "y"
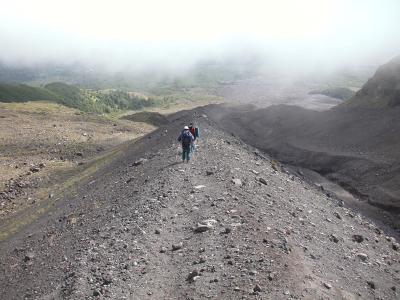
{"x": 121, "y": 33}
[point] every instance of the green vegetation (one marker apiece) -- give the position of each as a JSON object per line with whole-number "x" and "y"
{"x": 85, "y": 100}
{"x": 335, "y": 92}
{"x": 23, "y": 93}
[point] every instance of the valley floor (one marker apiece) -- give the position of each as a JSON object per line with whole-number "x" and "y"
{"x": 40, "y": 141}
{"x": 231, "y": 224}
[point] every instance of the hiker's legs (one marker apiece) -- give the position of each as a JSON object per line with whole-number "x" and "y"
{"x": 188, "y": 154}
{"x": 185, "y": 154}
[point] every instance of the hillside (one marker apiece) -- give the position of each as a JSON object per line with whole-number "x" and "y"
{"x": 382, "y": 90}
{"x": 229, "y": 225}
{"x": 97, "y": 101}
{"x": 334, "y": 92}
{"x": 153, "y": 118}
{"x": 41, "y": 142}
{"x": 23, "y": 93}
{"x": 354, "y": 144}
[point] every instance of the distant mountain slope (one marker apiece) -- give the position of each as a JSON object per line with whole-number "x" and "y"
{"x": 153, "y": 118}
{"x": 74, "y": 97}
{"x": 355, "y": 144}
{"x": 382, "y": 90}
{"x": 23, "y": 92}
{"x": 341, "y": 93}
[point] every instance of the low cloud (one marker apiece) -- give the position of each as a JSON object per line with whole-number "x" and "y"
{"x": 175, "y": 34}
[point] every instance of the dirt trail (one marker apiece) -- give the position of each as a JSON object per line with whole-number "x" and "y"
{"x": 130, "y": 232}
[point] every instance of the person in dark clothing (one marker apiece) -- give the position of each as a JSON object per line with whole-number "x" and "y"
{"x": 186, "y": 138}
{"x": 195, "y": 132}
{"x": 192, "y": 130}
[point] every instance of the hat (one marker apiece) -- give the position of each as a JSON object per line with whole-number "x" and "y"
{"x": 185, "y": 128}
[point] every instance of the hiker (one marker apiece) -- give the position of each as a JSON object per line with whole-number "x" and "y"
{"x": 195, "y": 132}
{"x": 186, "y": 138}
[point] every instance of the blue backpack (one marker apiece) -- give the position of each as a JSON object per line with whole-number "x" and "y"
{"x": 186, "y": 138}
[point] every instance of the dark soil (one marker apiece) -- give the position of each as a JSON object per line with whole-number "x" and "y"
{"x": 231, "y": 224}
{"x": 152, "y": 118}
{"x": 357, "y": 148}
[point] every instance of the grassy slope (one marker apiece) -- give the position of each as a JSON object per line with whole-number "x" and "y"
{"x": 23, "y": 93}
{"x": 73, "y": 97}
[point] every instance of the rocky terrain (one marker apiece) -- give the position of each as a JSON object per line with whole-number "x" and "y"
{"x": 354, "y": 144}
{"x": 264, "y": 92}
{"x": 357, "y": 148}
{"x": 40, "y": 141}
{"x": 231, "y": 224}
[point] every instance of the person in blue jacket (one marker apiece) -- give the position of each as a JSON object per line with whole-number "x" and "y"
{"x": 187, "y": 139}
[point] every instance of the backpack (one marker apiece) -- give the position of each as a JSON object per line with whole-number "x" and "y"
{"x": 186, "y": 138}
{"x": 193, "y": 131}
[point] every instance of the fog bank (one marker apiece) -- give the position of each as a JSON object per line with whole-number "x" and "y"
{"x": 175, "y": 34}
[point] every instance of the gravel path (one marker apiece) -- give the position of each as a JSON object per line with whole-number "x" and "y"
{"x": 229, "y": 225}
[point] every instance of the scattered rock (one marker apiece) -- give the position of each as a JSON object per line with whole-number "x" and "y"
{"x": 29, "y": 256}
{"x": 107, "y": 278}
{"x": 202, "y": 228}
{"x": 157, "y": 231}
{"x": 371, "y": 284}
{"x": 336, "y": 214}
{"x": 271, "y": 276}
{"x": 362, "y": 256}
{"x": 358, "y": 238}
{"x": 227, "y": 230}
{"x": 237, "y": 182}
{"x": 177, "y": 246}
{"x": 192, "y": 276}
{"x": 262, "y": 180}
{"x": 396, "y": 246}
{"x": 333, "y": 238}
{"x": 163, "y": 250}
{"x": 138, "y": 162}
{"x": 34, "y": 169}
{"x": 253, "y": 272}
{"x": 327, "y": 285}
{"x": 257, "y": 289}
{"x": 198, "y": 187}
